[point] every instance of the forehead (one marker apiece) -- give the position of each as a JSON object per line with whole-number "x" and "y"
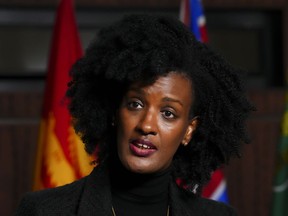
{"x": 173, "y": 78}
{"x": 173, "y": 84}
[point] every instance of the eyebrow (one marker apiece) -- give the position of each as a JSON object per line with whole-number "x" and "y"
{"x": 172, "y": 100}
{"x": 165, "y": 99}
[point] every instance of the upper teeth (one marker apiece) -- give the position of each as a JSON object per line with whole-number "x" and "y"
{"x": 143, "y": 146}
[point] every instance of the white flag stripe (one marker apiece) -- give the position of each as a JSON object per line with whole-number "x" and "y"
{"x": 219, "y": 190}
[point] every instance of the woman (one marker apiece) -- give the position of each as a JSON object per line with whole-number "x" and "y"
{"x": 162, "y": 111}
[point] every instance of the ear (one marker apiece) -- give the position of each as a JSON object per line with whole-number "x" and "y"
{"x": 189, "y": 132}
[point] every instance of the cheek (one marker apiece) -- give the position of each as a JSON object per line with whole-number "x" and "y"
{"x": 173, "y": 134}
{"x": 125, "y": 118}
{"x": 125, "y": 125}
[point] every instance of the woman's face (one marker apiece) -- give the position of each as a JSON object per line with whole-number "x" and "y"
{"x": 153, "y": 121}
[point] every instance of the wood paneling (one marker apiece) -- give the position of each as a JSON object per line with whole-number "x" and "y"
{"x": 244, "y": 3}
{"x": 19, "y": 121}
{"x": 17, "y": 154}
{"x": 147, "y": 3}
{"x": 96, "y": 3}
{"x": 250, "y": 178}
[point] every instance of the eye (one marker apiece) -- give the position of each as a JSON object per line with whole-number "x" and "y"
{"x": 168, "y": 114}
{"x": 134, "y": 105}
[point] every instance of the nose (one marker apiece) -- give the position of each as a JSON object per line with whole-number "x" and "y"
{"x": 147, "y": 124}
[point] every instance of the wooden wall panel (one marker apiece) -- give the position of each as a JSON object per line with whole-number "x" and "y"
{"x": 244, "y": 3}
{"x": 17, "y": 154}
{"x": 250, "y": 178}
{"x": 20, "y": 105}
{"x": 6, "y": 159}
{"x": 96, "y": 3}
{"x": 147, "y": 3}
{"x": 19, "y": 121}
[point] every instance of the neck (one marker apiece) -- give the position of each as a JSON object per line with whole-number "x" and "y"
{"x": 147, "y": 193}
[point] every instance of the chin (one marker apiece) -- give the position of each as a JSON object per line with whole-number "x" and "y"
{"x": 143, "y": 170}
{"x": 139, "y": 165}
{"x": 139, "y": 169}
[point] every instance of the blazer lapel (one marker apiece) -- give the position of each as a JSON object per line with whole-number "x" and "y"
{"x": 182, "y": 203}
{"x": 96, "y": 198}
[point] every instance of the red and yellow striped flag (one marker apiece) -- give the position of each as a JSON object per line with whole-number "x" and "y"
{"x": 61, "y": 158}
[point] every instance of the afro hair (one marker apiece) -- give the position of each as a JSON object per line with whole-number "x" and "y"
{"x": 144, "y": 47}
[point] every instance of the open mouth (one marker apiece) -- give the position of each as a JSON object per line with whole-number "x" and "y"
{"x": 142, "y": 148}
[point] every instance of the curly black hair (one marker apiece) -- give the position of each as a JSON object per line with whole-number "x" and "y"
{"x": 144, "y": 47}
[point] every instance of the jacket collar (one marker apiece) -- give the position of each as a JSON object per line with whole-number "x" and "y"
{"x": 96, "y": 198}
{"x": 183, "y": 203}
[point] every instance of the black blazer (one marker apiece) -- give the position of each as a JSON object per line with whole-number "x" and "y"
{"x": 91, "y": 196}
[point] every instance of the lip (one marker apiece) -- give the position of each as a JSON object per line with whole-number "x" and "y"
{"x": 142, "y": 148}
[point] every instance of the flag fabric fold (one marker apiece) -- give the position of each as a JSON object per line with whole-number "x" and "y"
{"x": 217, "y": 188}
{"x": 280, "y": 189}
{"x": 60, "y": 158}
{"x": 192, "y": 15}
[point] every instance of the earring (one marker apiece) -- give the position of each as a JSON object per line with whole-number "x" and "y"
{"x": 113, "y": 121}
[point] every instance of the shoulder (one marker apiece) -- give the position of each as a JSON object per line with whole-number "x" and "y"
{"x": 188, "y": 203}
{"x": 52, "y": 201}
{"x": 212, "y": 207}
